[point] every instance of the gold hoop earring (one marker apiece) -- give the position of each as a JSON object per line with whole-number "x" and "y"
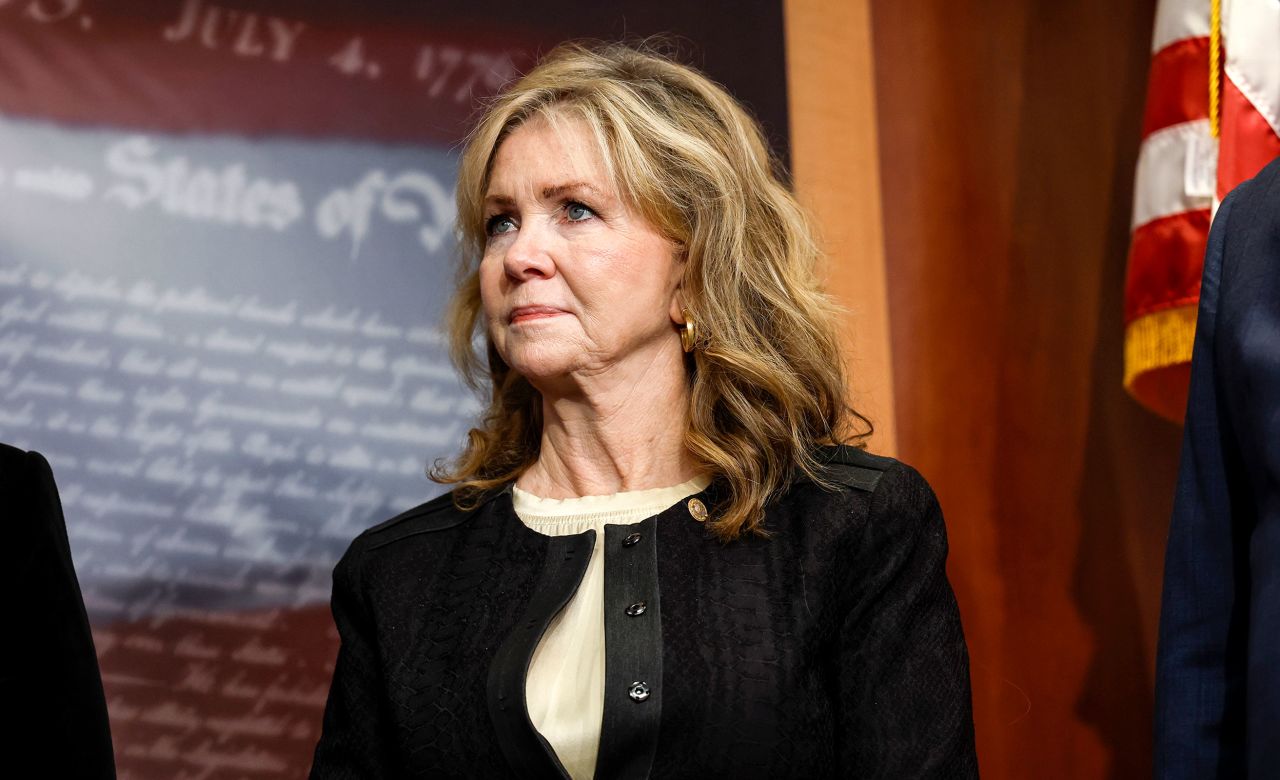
{"x": 689, "y": 332}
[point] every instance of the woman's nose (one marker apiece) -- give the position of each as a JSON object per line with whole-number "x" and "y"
{"x": 530, "y": 255}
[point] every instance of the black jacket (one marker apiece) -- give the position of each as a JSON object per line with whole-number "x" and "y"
{"x": 53, "y": 715}
{"x": 831, "y": 649}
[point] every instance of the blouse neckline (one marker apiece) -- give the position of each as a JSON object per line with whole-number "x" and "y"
{"x": 584, "y": 512}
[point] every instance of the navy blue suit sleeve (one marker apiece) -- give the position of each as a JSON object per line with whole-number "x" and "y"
{"x": 1196, "y": 663}
{"x": 1248, "y": 346}
{"x": 1221, "y": 605}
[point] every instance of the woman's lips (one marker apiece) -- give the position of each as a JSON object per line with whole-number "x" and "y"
{"x": 528, "y": 313}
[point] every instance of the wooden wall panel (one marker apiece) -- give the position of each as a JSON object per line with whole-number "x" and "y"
{"x": 835, "y": 167}
{"x": 1008, "y": 134}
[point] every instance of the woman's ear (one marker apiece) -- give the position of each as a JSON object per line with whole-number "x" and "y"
{"x": 678, "y": 269}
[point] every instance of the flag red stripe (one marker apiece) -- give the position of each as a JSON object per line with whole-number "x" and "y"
{"x": 1177, "y": 85}
{"x": 1248, "y": 143}
{"x": 1166, "y": 257}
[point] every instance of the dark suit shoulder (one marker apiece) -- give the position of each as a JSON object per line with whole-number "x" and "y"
{"x": 11, "y": 458}
{"x": 28, "y": 492}
{"x": 890, "y": 500}
{"x": 853, "y": 467}
{"x": 904, "y": 490}
{"x": 879, "y": 501}
{"x": 438, "y": 514}
{"x": 1250, "y": 210}
{"x": 18, "y": 466}
{"x": 1268, "y": 177}
{"x": 427, "y": 509}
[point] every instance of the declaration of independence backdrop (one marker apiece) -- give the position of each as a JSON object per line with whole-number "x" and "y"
{"x": 225, "y": 245}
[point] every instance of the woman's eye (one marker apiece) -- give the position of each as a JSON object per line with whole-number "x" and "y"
{"x": 576, "y": 212}
{"x": 499, "y": 224}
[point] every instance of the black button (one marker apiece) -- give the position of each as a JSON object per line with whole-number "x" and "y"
{"x": 631, "y": 540}
{"x": 639, "y": 691}
{"x": 637, "y": 608}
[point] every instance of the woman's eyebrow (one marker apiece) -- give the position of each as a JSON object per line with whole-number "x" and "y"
{"x": 547, "y": 193}
{"x": 576, "y": 186}
{"x": 501, "y": 201}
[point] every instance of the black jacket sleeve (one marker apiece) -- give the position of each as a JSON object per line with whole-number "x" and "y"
{"x": 354, "y": 741}
{"x": 902, "y": 666}
{"x": 51, "y": 693}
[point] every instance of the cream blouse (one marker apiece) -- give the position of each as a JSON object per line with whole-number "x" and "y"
{"x": 565, "y": 685}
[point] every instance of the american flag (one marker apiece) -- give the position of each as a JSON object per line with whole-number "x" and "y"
{"x": 1212, "y": 120}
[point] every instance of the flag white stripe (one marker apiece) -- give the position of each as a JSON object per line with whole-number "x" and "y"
{"x": 1179, "y": 19}
{"x": 1160, "y": 187}
{"x": 1252, "y": 32}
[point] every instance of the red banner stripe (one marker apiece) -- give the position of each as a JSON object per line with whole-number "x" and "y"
{"x": 1248, "y": 143}
{"x": 1166, "y": 257}
{"x": 1177, "y": 85}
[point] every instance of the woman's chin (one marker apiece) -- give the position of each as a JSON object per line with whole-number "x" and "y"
{"x": 545, "y": 369}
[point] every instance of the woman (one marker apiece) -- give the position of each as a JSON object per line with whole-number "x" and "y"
{"x": 655, "y": 561}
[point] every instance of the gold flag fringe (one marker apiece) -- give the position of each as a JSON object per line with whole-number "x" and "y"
{"x": 1154, "y": 345}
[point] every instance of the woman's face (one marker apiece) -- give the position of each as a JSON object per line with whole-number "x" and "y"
{"x": 574, "y": 283}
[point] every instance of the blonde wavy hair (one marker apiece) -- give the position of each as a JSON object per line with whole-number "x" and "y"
{"x": 766, "y": 379}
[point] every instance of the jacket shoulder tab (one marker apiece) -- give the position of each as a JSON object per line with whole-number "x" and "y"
{"x": 853, "y": 467}
{"x": 437, "y": 514}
